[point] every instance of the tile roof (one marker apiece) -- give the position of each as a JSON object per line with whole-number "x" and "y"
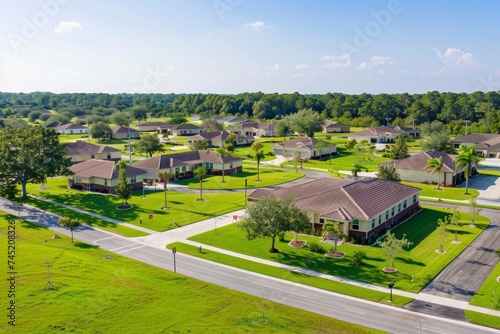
{"x": 482, "y": 140}
{"x": 103, "y": 169}
{"x": 186, "y": 126}
{"x": 83, "y": 148}
{"x": 419, "y": 161}
{"x": 380, "y": 131}
{"x": 217, "y": 135}
{"x": 333, "y": 124}
{"x": 300, "y": 142}
{"x": 343, "y": 199}
{"x": 122, "y": 129}
{"x": 69, "y": 126}
{"x": 152, "y": 124}
{"x": 165, "y": 161}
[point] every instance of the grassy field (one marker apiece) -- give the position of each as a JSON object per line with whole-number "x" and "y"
{"x": 98, "y": 294}
{"x": 488, "y": 294}
{"x": 245, "y": 152}
{"x": 483, "y": 319}
{"x": 292, "y": 276}
{"x": 268, "y": 177}
{"x": 420, "y": 260}
{"x": 430, "y": 190}
{"x": 184, "y": 208}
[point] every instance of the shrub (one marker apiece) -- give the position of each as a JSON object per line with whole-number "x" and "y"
{"x": 358, "y": 257}
{"x": 316, "y": 248}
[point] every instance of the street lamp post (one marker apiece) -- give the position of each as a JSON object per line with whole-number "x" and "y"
{"x": 387, "y": 120}
{"x": 390, "y": 287}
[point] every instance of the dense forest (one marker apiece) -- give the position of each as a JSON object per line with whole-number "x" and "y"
{"x": 365, "y": 110}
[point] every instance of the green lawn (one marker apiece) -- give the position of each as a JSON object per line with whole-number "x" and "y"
{"x": 301, "y": 278}
{"x": 483, "y": 319}
{"x": 114, "y": 294}
{"x": 488, "y": 294}
{"x": 489, "y": 172}
{"x": 345, "y": 161}
{"x": 430, "y": 190}
{"x": 64, "y": 138}
{"x": 268, "y": 177}
{"x": 246, "y": 152}
{"x": 420, "y": 260}
{"x": 184, "y": 208}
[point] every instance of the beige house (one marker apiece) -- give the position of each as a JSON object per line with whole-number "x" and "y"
{"x": 149, "y": 126}
{"x": 185, "y": 130}
{"x": 332, "y": 126}
{"x": 383, "y": 135}
{"x": 487, "y": 144}
{"x": 218, "y": 138}
{"x": 251, "y": 128}
{"x": 412, "y": 169}
{"x": 71, "y": 128}
{"x": 309, "y": 148}
{"x": 102, "y": 176}
{"x": 81, "y": 151}
{"x": 122, "y": 132}
{"x": 183, "y": 164}
{"x": 363, "y": 208}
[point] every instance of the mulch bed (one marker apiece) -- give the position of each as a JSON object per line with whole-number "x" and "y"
{"x": 297, "y": 244}
{"x": 337, "y": 255}
{"x": 390, "y": 270}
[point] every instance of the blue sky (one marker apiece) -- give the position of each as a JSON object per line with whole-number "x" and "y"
{"x": 234, "y": 46}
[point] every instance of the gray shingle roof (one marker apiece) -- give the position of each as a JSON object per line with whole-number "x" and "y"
{"x": 165, "y": 161}
{"x": 84, "y": 148}
{"x": 300, "y": 142}
{"x": 103, "y": 169}
{"x": 419, "y": 161}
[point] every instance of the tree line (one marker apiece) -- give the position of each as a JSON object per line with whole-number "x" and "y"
{"x": 481, "y": 109}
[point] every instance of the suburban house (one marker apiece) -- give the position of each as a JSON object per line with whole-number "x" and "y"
{"x": 185, "y": 130}
{"x": 122, "y": 132}
{"x": 165, "y": 128}
{"x": 195, "y": 118}
{"x": 229, "y": 120}
{"x": 183, "y": 164}
{"x": 252, "y": 128}
{"x": 332, "y": 126}
{"x": 383, "y": 135}
{"x": 412, "y": 169}
{"x": 363, "y": 208}
{"x": 487, "y": 144}
{"x": 70, "y": 128}
{"x": 149, "y": 126}
{"x": 82, "y": 151}
{"x": 309, "y": 148}
{"x": 102, "y": 176}
{"x": 218, "y": 138}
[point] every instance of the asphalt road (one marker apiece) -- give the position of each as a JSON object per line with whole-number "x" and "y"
{"x": 382, "y": 317}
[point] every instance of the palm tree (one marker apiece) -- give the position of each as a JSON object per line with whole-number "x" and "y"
{"x": 331, "y": 230}
{"x": 165, "y": 176}
{"x": 259, "y": 155}
{"x": 200, "y": 173}
{"x": 436, "y": 164}
{"x": 222, "y": 152}
{"x": 466, "y": 160}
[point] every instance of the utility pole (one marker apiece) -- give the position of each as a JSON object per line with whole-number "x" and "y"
{"x": 467, "y": 122}
{"x": 387, "y": 120}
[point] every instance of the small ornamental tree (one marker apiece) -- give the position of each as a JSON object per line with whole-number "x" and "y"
{"x": 70, "y": 223}
{"x": 392, "y": 246}
{"x": 200, "y": 173}
{"x": 474, "y": 210}
{"x": 442, "y": 227}
{"x": 165, "y": 176}
{"x": 388, "y": 173}
{"x": 149, "y": 144}
{"x": 122, "y": 189}
{"x": 400, "y": 148}
{"x": 455, "y": 220}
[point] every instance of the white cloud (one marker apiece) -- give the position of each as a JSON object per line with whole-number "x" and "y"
{"x": 302, "y": 67}
{"x": 270, "y": 70}
{"x": 374, "y": 62}
{"x": 67, "y": 26}
{"x": 257, "y": 25}
{"x": 381, "y": 71}
{"x": 453, "y": 59}
{"x": 341, "y": 61}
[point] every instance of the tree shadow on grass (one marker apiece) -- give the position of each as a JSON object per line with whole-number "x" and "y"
{"x": 83, "y": 245}
{"x": 31, "y": 226}
{"x": 410, "y": 261}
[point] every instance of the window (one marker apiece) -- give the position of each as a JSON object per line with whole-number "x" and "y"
{"x": 414, "y": 198}
{"x": 392, "y": 212}
{"x": 404, "y": 204}
{"x": 183, "y": 169}
{"x": 355, "y": 225}
{"x": 105, "y": 182}
{"x": 133, "y": 179}
{"x": 230, "y": 165}
{"x": 321, "y": 220}
{"x": 399, "y": 207}
{"x": 92, "y": 156}
{"x": 387, "y": 215}
{"x": 379, "y": 219}
{"x": 373, "y": 222}
{"x": 109, "y": 155}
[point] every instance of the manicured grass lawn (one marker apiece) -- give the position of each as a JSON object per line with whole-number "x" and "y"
{"x": 420, "y": 260}
{"x": 288, "y": 275}
{"x": 246, "y": 152}
{"x": 483, "y": 319}
{"x": 184, "y": 208}
{"x": 64, "y": 138}
{"x": 268, "y": 177}
{"x": 119, "y": 295}
{"x": 489, "y": 172}
{"x": 484, "y": 297}
{"x": 90, "y": 220}
{"x": 430, "y": 190}
{"x": 345, "y": 161}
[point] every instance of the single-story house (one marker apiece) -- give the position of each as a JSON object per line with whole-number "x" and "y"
{"x": 332, "y": 126}
{"x": 183, "y": 164}
{"x": 195, "y": 118}
{"x": 308, "y": 147}
{"x": 81, "y": 151}
{"x": 218, "y": 138}
{"x": 164, "y": 128}
{"x": 487, "y": 144}
{"x": 412, "y": 169}
{"x": 383, "y": 135}
{"x": 185, "y": 130}
{"x": 252, "y": 128}
{"x": 102, "y": 176}
{"x": 149, "y": 126}
{"x": 70, "y": 128}
{"x": 363, "y": 208}
{"x": 122, "y": 132}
